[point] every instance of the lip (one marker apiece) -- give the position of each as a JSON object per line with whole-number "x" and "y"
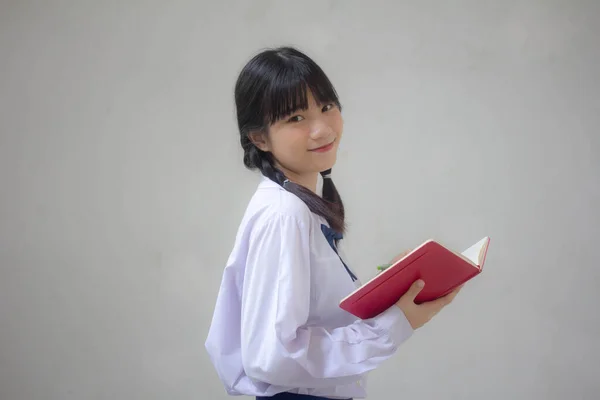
{"x": 323, "y": 149}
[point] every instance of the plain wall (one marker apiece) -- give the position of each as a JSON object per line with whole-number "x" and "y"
{"x": 123, "y": 185}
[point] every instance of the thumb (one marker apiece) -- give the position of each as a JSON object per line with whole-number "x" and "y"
{"x": 414, "y": 289}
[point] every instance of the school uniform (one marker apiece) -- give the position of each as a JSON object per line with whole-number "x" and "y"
{"x": 277, "y": 330}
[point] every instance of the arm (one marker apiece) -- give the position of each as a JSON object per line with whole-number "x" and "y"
{"x": 277, "y": 345}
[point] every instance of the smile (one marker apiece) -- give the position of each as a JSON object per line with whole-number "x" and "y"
{"x": 324, "y": 149}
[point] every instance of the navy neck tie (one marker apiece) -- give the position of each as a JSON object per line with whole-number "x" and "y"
{"x": 333, "y": 237}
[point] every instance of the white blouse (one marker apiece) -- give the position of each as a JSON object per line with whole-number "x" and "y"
{"x": 277, "y": 325}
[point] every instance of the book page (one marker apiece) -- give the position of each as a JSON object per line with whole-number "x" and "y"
{"x": 474, "y": 252}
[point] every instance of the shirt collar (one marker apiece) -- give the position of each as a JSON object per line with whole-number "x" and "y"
{"x": 268, "y": 183}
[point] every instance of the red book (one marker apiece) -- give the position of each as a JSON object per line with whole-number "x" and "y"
{"x": 440, "y": 268}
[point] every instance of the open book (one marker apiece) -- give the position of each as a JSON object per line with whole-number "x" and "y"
{"x": 440, "y": 268}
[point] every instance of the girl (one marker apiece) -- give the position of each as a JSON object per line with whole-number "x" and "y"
{"x": 277, "y": 330}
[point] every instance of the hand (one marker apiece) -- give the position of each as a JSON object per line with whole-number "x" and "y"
{"x": 419, "y": 314}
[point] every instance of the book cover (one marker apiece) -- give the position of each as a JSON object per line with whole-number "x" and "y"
{"x": 440, "y": 268}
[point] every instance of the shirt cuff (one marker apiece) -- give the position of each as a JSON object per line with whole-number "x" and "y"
{"x": 394, "y": 322}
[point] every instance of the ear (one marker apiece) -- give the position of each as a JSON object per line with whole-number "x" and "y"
{"x": 259, "y": 139}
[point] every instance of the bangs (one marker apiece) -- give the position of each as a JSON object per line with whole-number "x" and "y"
{"x": 288, "y": 89}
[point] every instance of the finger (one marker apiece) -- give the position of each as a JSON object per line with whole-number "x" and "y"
{"x": 414, "y": 290}
{"x": 450, "y": 296}
{"x": 447, "y": 299}
{"x": 436, "y": 305}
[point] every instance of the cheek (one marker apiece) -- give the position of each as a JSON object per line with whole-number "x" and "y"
{"x": 338, "y": 124}
{"x": 290, "y": 145}
{"x": 340, "y": 129}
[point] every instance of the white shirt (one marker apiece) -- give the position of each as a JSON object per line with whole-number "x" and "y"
{"x": 277, "y": 325}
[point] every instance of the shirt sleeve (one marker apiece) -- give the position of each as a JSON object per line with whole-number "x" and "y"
{"x": 278, "y": 347}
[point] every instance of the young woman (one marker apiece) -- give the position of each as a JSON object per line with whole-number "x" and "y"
{"x": 277, "y": 330}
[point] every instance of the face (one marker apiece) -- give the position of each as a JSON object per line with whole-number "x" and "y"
{"x": 305, "y": 142}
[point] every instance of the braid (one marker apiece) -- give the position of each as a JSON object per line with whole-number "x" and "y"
{"x": 331, "y": 194}
{"x": 256, "y": 158}
{"x": 329, "y": 206}
{"x": 268, "y": 169}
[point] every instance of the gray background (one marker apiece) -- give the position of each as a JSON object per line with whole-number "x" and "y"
{"x": 123, "y": 186}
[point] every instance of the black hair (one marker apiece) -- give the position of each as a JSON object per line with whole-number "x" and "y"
{"x": 274, "y": 84}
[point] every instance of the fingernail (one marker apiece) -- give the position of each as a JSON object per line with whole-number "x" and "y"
{"x": 420, "y": 283}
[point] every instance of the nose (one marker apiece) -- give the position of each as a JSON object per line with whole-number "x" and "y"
{"x": 320, "y": 129}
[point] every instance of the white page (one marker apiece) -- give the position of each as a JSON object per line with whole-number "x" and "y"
{"x": 473, "y": 253}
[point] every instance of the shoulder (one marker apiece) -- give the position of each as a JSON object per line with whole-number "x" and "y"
{"x": 275, "y": 219}
{"x": 271, "y": 203}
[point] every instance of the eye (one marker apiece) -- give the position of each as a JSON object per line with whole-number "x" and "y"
{"x": 327, "y": 107}
{"x": 296, "y": 118}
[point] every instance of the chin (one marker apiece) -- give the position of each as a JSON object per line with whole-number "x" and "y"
{"x": 328, "y": 164}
